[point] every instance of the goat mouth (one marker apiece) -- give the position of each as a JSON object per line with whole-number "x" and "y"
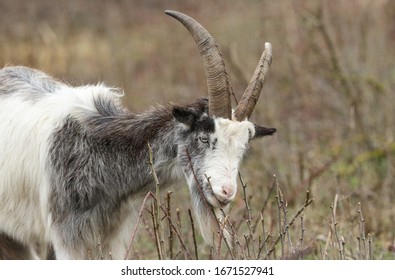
{"x": 216, "y": 203}
{"x": 223, "y": 203}
{"x": 213, "y": 200}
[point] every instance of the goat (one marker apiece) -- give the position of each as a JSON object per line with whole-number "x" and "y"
{"x": 73, "y": 160}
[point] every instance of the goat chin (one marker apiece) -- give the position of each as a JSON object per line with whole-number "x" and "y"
{"x": 212, "y": 222}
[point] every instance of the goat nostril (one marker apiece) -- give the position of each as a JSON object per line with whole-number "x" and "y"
{"x": 227, "y": 191}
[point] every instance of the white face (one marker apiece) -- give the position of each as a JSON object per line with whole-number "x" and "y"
{"x": 227, "y": 146}
{"x": 209, "y": 152}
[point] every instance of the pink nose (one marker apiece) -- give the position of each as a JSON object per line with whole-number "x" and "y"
{"x": 227, "y": 191}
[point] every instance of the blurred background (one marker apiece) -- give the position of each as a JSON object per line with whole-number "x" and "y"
{"x": 330, "y": 93}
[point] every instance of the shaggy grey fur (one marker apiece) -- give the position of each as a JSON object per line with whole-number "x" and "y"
{"x": 98, "y": 163}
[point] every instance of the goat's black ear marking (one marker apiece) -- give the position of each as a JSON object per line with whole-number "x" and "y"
{"x": 185, "y": 115}
{"x": 261, "y": 131}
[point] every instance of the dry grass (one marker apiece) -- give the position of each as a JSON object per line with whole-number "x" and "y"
{"x": 330, "y": 93}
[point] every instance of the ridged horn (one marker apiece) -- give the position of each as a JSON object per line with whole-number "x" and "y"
{"x": 219, "y": 87}
{"x": 251, "y": 95}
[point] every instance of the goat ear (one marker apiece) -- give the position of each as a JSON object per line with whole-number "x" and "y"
{"x": 185, "y": 115}
{"x": 261, "y": 131}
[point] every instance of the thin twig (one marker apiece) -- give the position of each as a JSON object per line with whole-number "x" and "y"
{"x": 328, "y": 238}
{"x": 137, "y": 224}
{"x": 222, "y": 231}
{"x": 265, "y": 238}
{"x": 175, "y": 229}
{"x": 155, "y": 212}
{"x": 370, "y": 246}
{"x": 264, "y": 245}
{"x": 247, "y": 206}
{"x": 168, "y": 209}
{"x": 361, "y": 237}
{"x": 291, "y": 222}
{"x": 266, "y": 200}
{"x": 155, "y": 223}
{"x": 230, "y": 230}
{"x": 247, "y": 246}
{"x": 334, "y": 224}
{"x": 280, "y": 204}
{"x": 193, "y": 234}
{"x": 285, "y": 212}
{"x": 248, "y": 213}
{"x": 301, "y": 236}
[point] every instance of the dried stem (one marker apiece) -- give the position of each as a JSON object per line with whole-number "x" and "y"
{"x": 136, "y": 225}
{"x": 193, "y": 234}
{"x": 154, "y": 216}
{"x": 249, "y": 216}
{"x": 265, "y": 239}
{"x": 247, "y": 206}
{"x": 285, "y": 212}
{"x": 247, "y": 246}
{"x": 174, "y": 229}
{"x": 170, "y": 237}
{"x": 361, "y": 237}
{"x": 301, "y": 236}
{"x": 156, "y": 210}
{"x": 280, "y": 204}
{"x": 291, "y": 222}
{"x": 340, "y": 242}
{"x": 179, "y": 223}
{"x": 370, "y": 246}
{"x": 266, "y": 200}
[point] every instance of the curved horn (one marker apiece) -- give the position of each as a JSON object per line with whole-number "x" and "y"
{"x": 219, "y": 87}
{"x": 253, "y": 90}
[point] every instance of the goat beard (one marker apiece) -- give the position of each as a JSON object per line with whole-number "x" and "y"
{"x": 212, "y": 221}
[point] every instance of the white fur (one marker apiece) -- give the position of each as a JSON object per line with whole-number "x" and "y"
{"x": 24, "y": 143}
{"x": 222, "y": 163}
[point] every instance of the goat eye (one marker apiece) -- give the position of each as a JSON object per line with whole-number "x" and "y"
{"x": 203, "y": 139}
